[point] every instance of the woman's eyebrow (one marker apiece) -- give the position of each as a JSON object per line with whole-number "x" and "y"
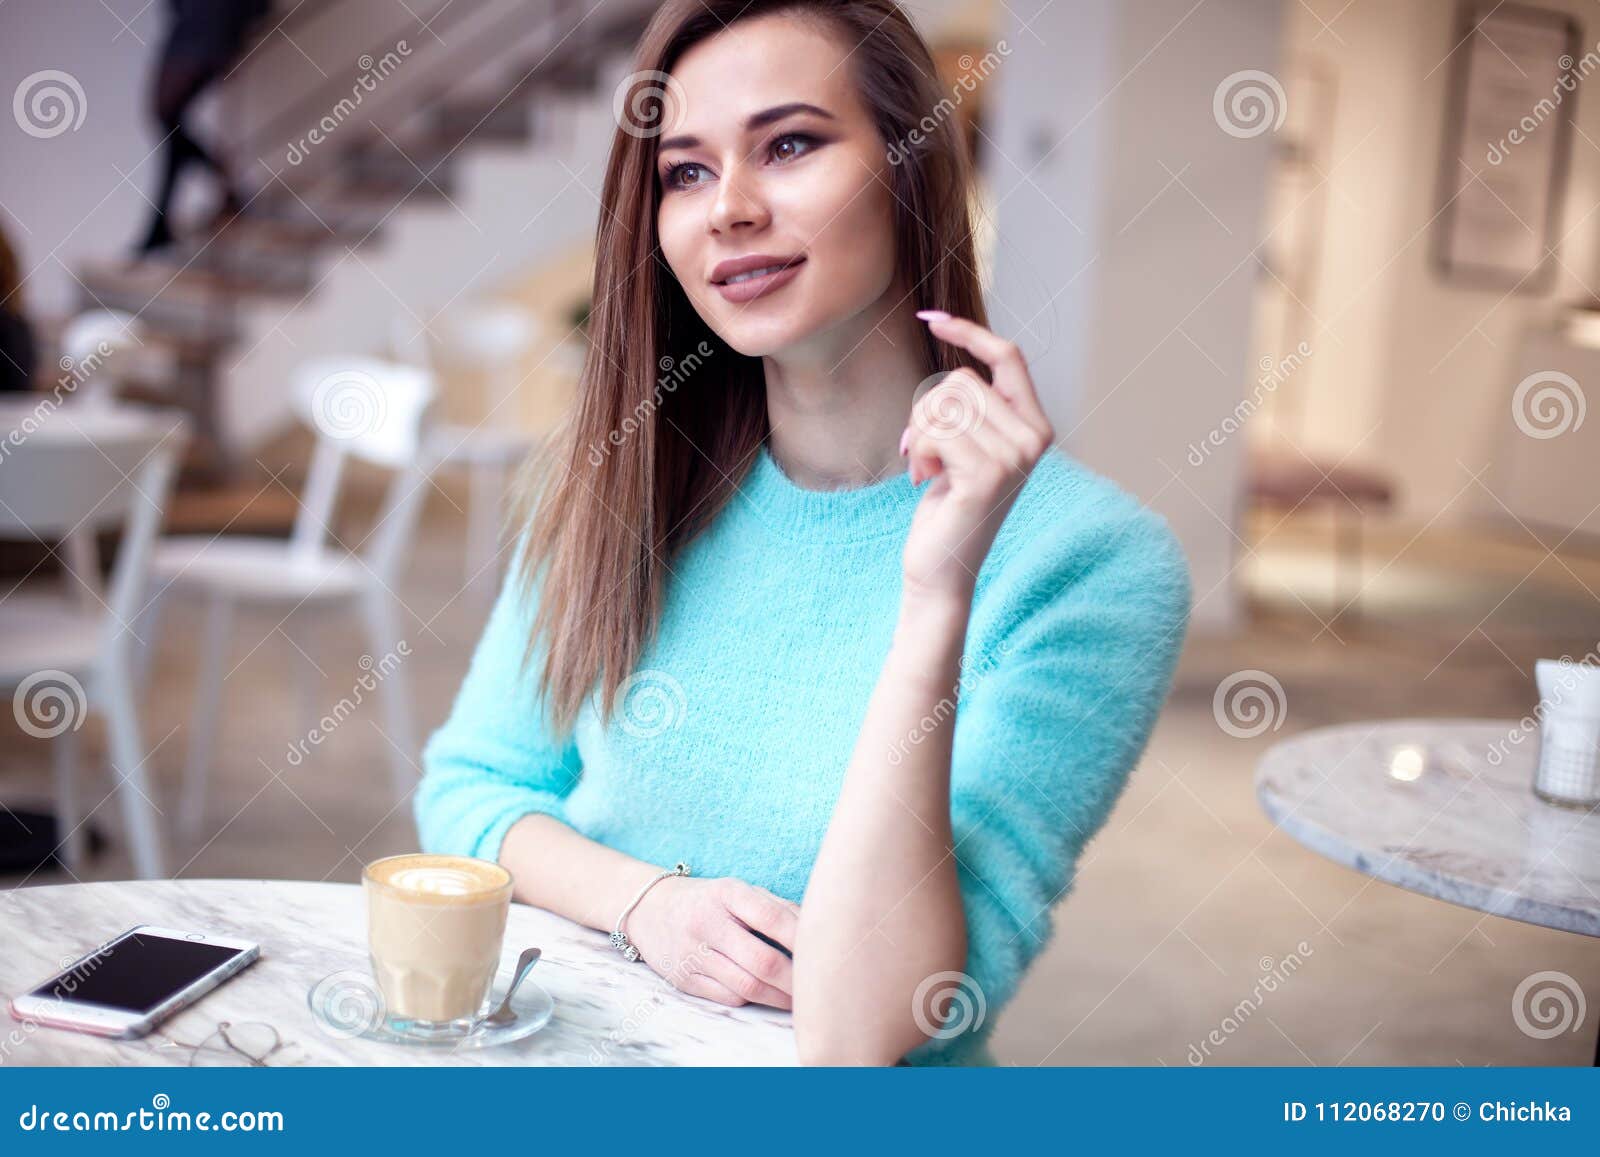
{"x": 756, "y": 121}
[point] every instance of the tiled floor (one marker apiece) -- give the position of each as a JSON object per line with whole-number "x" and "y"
{"x": 1187, "y": 897}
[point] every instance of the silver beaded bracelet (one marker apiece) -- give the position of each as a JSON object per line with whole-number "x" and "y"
{"x": 619, "y": 938}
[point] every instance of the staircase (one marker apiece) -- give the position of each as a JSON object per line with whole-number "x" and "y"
{"x": 478, "y": 155}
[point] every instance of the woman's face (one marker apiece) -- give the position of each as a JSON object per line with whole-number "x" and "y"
{"x": 742, "y": 178}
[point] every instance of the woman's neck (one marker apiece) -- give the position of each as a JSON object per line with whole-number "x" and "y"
{"x": 838, "y": 405}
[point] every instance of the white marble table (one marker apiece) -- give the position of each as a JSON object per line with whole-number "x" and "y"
{"x": 1419, "y": 803}
{"x": 1442, "y": 807}
{"x": 607, "y": 1011}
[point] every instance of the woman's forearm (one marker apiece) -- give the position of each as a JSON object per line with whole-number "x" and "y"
{"x": 882, "y": 910}
{"x": 558, "y": 869}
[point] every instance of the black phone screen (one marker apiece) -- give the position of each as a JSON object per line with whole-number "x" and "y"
{"x": 136, "y": 972}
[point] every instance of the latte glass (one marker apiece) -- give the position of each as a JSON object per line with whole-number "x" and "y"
{"x": 435, "y": 925}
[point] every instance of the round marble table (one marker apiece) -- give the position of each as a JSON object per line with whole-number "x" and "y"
{"x": 1442, "y": 807}
{"x": 607, "y": 1011}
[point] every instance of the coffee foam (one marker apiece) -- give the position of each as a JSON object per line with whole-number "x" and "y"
{"x": 446, "y": 879}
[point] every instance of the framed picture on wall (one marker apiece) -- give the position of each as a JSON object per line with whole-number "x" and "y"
{"x": 1514, "y": 83}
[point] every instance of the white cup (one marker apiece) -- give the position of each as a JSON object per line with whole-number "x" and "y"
{"x": 1569, "y": 732}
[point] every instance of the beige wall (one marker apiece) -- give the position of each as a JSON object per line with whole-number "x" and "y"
{"x": 1410, "y": 371}
{"x": 1124, "y": 262}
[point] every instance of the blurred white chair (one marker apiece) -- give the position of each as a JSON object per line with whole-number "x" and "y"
{"x": 362, "y": 408}
{"x": 490, "y": 342}
{"x": 78, "y": 472}
{"x": 96, "y": 345}
{"x": 98, "y": 342}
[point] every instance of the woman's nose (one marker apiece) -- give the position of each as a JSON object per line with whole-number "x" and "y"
{"x": 737, "y": 203}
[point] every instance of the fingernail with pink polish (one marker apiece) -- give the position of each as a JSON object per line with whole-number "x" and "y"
{"x": 905, "y": 439}
{"x": 933, "y": 315}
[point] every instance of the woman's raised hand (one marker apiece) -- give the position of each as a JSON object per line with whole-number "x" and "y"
{"x": 978, "y": 442}
{"x": 700, "y": 935}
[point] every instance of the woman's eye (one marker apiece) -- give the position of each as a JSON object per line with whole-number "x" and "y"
{"x": 801, "y": 139}
{"x": 673, "y": 178}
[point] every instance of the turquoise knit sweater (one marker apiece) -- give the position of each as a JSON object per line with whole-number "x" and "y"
{"x": 732, "y": 737}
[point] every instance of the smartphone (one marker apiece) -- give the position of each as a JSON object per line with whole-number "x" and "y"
{"x": 780, "y": 947}
{"x": 130, "y": 984}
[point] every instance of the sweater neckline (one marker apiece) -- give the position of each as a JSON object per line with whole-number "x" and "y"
{"x": 850, "y": 514}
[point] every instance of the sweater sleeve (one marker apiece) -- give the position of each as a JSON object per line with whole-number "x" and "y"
{"x": 1074, "y": 661}
{"x": 493, "y": 762}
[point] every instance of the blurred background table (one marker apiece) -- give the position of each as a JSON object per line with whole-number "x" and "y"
{"x": 1419, "y": 804}
{"x": 607, "y": 1011}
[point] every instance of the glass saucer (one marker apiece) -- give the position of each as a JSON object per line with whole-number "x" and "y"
{"x": 347, "y": 1004}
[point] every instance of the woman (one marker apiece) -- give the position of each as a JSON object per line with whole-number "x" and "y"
{"x": 204, "y": 38}
{"x": 874, "y": 665}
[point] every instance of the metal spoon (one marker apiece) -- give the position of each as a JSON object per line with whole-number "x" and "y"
{"x": 503, "y": 1015}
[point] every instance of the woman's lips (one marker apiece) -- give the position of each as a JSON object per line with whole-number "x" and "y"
{"x": 754, "y": 287}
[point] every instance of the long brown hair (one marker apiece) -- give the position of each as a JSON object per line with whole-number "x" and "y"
{"x": 641, "y": 467}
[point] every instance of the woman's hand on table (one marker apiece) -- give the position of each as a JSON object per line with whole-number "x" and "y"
{"x": 700, "y": 935}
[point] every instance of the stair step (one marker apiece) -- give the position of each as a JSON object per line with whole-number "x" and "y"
{"x": 190, "y": 306}
{"x": 321, "y": 217}
{"x": 387, "y": 195}
{"x": 196, "y": 314}
{"x": 483, "y": 120}
{"x": 617, "y": 28}
{"x": 251, "y": 264}
{"x": 423, "y": 169}
{"x": 286, "y": 222}
{"x": 294, "y": 229}
{"x": 194, "y": 345}
{"x": 205, "y": 285}
{"x": 561, "y": 72}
